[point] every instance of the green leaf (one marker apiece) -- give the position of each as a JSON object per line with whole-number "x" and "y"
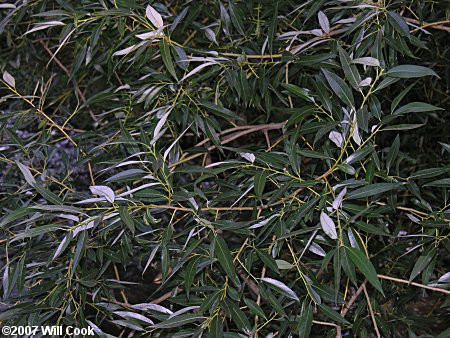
{"x": 429, "y": 172}
{"x": 216, "y": 328}
{"x": 280, "y": 286}
{"x": 254, "y": 308}
{"x": 79, "y": 250}
{"x": 398, "y": 23}
{"x": 180, "y": 320}
{"x": 15, "y": 214}
{"x": 298, "y": 92}
{"x": 400, "y": 96}
{"x": 416, "y": 107}
{"x": 404, "y": 126}
{"x": 236, "y": 18}
{"x": 260, "y": 182}
{"x": 359, "y": 154}
{"x": 239, "y": 318}
{"x": 328, "y": 225}
{"x": 47, "y": 194}
{"x": 341, "y": 89}
{"x": 443, "y": 183}
{"x": 167, "y": 58}
{"x": 26, "y": 173}
{"x": 127, "y": 219}
{"x": 305, "y": 320}
{"x": 410, "y": 71}
{"x": 350, "y": 70}
{"x": 225, "y": 260}
{"x": 330, "y": 313}
{"x": 268, "y": 261}
{"x": 393, "y": 152}
{"x": 190, "y": 272}
{"x": 371, "y": 189}
{"x": 365, "y": 266}
{"x": 422, "y": 262}
{"x": 220, "y": 111}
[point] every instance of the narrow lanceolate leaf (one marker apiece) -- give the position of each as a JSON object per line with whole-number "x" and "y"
{"x": 283, "y": 288}
{"x": 190, "y": 272}
{"x": 9, "y": 79}
{"x": 236, "y": 18}
{"x": 197, "y": 69}
{"x": 365, "y": 266}
{"x": 421, "y": 263}
{"x": 104, "y": 191}
{"x": 26, "y": 173}
{"x": 154, "y": 17}
{"x": 305, "y": 320}
{"x": 44, "y": 25}
{"x": 299, "y": 92}
{"x": 133, "y": 315}
{"x": 63, "y": 245}
{"x": 323, "y": 22}
{"x": 372, "y": 189}
{"x": 336, "y": 138}
{"x": 179, "y": 321}
{"x": 398, "y": 23}
{"x": 330, "y": 313}
{"x": 15, "y": 214}
{"x": 226, "y": 261}
{"x": 260, "y": 182}
{"x": 328, "y": 225}
{"x": 339, "y": 87}
{"x": 238, "y": 316}
{"x": 416, "y": 107}
{"x": 429, "y": 172}
{"x": 393, "y": 152}
{"x": 367, "y": 61}
{"x": 350, "y": 70}
{"x": 410, "y": 71}
{"x": 126, "y": 218}
{"x": 443, "y": 183}
{"x": 337, "y": 203}
{"x": 359, "y": 154}
{"x": 167, "y": 58}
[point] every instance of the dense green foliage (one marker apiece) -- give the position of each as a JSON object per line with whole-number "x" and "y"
{"x": 236, "y": 168}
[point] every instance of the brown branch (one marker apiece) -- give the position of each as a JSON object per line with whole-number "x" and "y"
{"x": 338, "y": 328}
{"x": 353, "y": 299}
{"x": 372, "y": 315}
{"x": 242, "y": 130}
{"x": 251, "y": 284}
{"x": 435, "y": 25}
{"x": 245, "y": 130}
{"x": 64, "y": 69}
{"x": 334, "y": 32}
{"x": 164, "y": 297}
{"x": 404, "y": 281}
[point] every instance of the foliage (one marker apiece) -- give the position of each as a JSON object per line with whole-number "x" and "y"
{"x": 235, "y": 168}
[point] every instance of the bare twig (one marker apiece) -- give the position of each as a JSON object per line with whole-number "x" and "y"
{"x": 404, "y": 281}
{"x": 338, "y": 328}
{"x": 372, "y": 315}
{"x": 295, "y": 49}
{"x": 64, "y": 69}
{"x": 353, "y": 299}
{"x": 435, "y": 25}
{"x": 240, "y": 131}
{"x": 243, "y": 130}
{"x": 122, "y": 293}
{"x": 251, "y": 284}
{"x": 164, "y": 297}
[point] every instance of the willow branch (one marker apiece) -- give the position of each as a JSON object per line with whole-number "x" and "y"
{"x": 404, "y": 281}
